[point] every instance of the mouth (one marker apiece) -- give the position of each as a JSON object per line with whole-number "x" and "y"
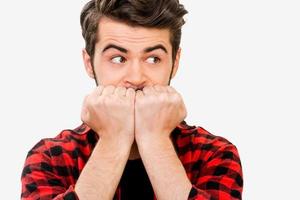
{"x": 139, "y": 89}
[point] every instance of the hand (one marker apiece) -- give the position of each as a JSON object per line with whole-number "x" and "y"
{"x": 158, "y": 110}
{"x": 109, "y": 111}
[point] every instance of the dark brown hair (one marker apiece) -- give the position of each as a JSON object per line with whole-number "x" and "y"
{"x": 163, "y": 14}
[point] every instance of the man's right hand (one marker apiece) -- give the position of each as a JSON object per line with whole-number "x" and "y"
{"x": 109, "y": 111}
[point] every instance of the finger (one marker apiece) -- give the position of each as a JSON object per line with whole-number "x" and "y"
{"x": 171, "y": 89}
{"x": 99, "y": 90}
{"x": 84, "y": 109}
{"x": 139, "y": 94}
{"x": 149, "y": 90}
{"x": 120, "y": 91}
{"x": 159, "y": 88}
{"x": 130, "y": 93}
{"x": 90, "y": 94}
{"x": 85, "y": 101}
{"x": 108, "y": 90}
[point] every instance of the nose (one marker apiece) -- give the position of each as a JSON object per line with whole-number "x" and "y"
{"x": 135, "y": 77}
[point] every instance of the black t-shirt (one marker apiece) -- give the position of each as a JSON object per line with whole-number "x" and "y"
{"x": 135, "y": 183}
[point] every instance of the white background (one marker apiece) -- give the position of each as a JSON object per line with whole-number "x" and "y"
{"x": 239, "y": 76}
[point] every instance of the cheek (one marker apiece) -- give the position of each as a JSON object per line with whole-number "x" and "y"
{"x": 159, "y": 75}
{"x": 107, "y": 74}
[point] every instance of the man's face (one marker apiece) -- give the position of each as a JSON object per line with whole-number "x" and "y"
{"x": 132, "y": 57}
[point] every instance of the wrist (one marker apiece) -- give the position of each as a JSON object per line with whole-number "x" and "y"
{"x": 147, "y": 137}
{"x": 157, "y": 144}
{"x": 123, "y": 138}
{"x": 116, "y": 146}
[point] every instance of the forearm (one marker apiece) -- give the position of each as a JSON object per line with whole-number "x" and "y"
{"x": 166, "y": 172}
{"x": 101, "y": 175}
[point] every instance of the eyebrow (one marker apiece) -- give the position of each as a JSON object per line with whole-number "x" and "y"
{"x": 146, "y": 50}
{"x": 159, "y": 46}
{"x": 112, "y": 46}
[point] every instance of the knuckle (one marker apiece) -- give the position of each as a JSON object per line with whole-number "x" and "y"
{"x": 177, "y": 97}
{"x": 84, "y": 115}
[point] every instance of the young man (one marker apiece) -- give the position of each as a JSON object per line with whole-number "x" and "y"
{"x": 133, "y": 143}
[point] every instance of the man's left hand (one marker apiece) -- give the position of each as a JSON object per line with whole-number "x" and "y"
{"x": 158, "y": 110}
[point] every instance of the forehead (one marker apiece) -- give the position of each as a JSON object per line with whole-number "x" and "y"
{"x": 111, "y": 31}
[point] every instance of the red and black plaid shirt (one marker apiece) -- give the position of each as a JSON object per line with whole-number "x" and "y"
{"x": 53, "y": 166}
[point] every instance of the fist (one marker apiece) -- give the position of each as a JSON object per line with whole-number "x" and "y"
{"x": 109, "y": 111}
{"x": 158, "y": 110}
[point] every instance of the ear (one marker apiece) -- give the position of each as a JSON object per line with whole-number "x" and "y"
{"x": 88, "y": 63}
{"x": 176, "y": 63}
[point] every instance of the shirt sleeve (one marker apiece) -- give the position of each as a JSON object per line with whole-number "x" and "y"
{"x": 41, "y": 181}
{"x": 220, "y": 178}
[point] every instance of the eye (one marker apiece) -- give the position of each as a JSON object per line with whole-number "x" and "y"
{"x": 118, "y": 59}
{"x": 153, "y": 60}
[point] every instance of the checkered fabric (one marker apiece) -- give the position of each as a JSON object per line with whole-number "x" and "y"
{"x": 53, "y": 166}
